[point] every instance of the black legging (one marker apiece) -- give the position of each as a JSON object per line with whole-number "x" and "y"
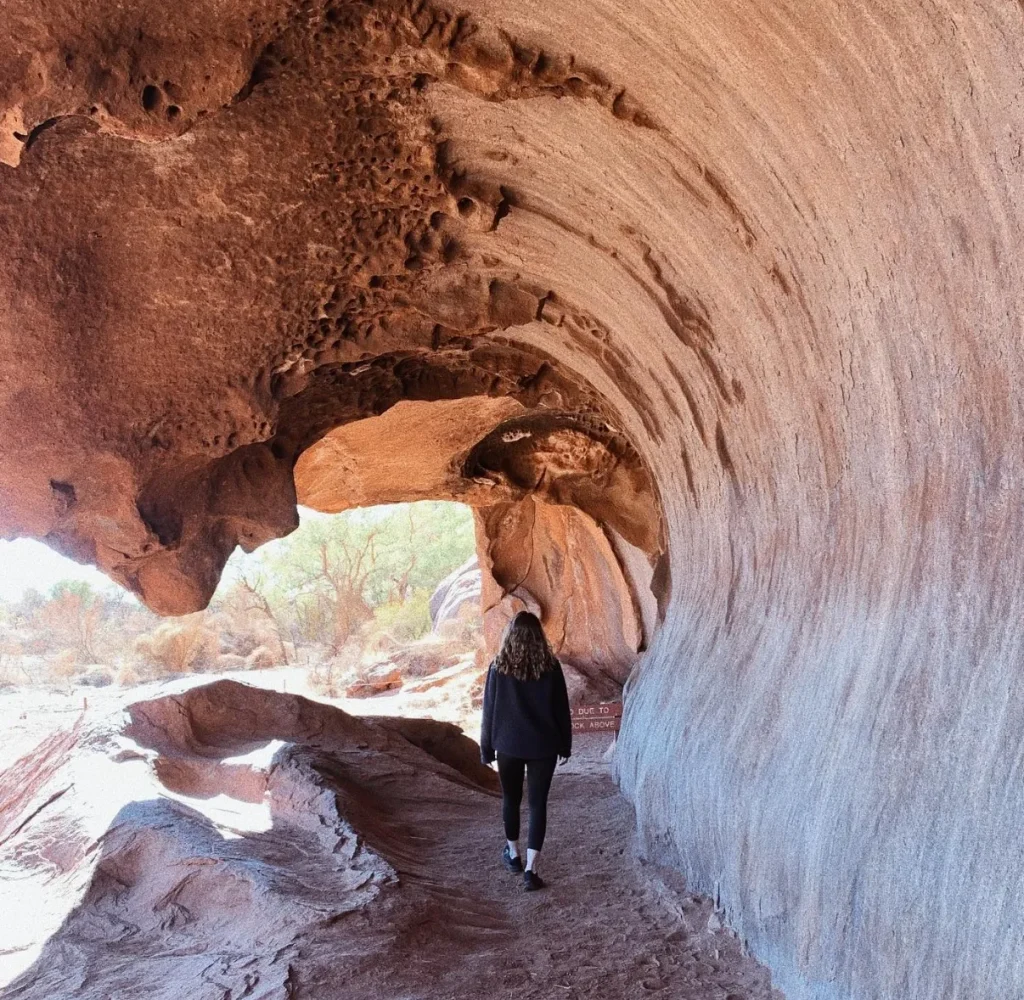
{"x": 538, "y": 775}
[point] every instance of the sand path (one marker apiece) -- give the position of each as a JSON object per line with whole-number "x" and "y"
{"x": 607, "y": 925}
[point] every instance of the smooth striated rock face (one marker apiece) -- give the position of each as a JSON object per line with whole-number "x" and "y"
{"x": 748, "y": 277}
{"x": 457, "y": 594}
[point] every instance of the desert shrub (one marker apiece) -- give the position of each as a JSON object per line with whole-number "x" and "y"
{"x": 128, "y": 674}
{"x": 322, "y": 584}
{"x": 320, "y": 678}
{"x": 122, "y": 620}
{"x": 182, "y": 646}
{"x": 248, "y": 620}
{"x": 97, "y": 677}
{"x": 12, "y": 668}
{"x": 465, "y": 630}
{"x": 313, "y": 614}
{"x": 325, "y": 679}
{"x": 261, "y": 658}
{"x": 336, "y": 589}
{"x": 379, "y": 643}
{"x": 330, "y": 675}
{"x": 72, "y": 617}
{"x": 75, "y": 621}
{"x": 406, "y": 620}
{"x": 230, "y": 662}
{"x": 240, "y": 643}
{"x": 62, "y": 666}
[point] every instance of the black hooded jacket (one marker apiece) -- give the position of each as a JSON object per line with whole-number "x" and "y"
{"x": 528, "y": 719}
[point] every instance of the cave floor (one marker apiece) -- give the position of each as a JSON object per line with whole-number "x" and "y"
{"x": 607, "y": 924}
{"x": 163, "y": 902}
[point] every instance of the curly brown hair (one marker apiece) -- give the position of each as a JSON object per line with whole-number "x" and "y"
{"x": 525, "y": 653}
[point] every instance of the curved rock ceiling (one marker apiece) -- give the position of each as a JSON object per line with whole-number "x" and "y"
{"x": 755, "y": 264}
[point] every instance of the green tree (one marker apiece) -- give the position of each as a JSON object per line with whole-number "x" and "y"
{"x": 73, "y": 614}
{"x": 329, "y": 578}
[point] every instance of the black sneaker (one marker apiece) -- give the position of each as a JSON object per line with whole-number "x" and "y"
{"x": 532, "y": 882}
{"x": 514, "y": 865}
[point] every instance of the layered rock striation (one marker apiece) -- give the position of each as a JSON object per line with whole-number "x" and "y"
{"x": 735, "y": 287}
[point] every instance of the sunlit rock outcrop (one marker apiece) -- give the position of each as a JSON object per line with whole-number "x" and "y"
{"x": 197, "y": 840}
{"x": 556, "y": 562}
{"x": 749, "y": 276}
{"x": 457, "y": 594}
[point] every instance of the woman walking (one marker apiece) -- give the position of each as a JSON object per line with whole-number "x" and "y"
{"x": 526, "y": 724}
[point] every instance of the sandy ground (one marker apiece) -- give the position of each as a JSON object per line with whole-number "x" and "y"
{"x": 450, "y": 924}
{"x": 28, "y": 715}
{"x": 607, "y": 925}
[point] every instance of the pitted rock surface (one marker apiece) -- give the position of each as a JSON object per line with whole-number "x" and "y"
{"x": 757, "y": 271}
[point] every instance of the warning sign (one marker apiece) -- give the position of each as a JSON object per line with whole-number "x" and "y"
{"x": 604, "y": 717}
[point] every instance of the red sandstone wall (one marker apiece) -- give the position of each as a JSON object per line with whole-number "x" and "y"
{"x": 770, "y": 251}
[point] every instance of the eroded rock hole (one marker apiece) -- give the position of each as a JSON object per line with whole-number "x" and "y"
{"x": 151, "y": 97}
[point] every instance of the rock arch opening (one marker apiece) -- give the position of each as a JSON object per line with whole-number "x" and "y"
{"x": 376, "y": 609}
{"x": 567, "y": 523}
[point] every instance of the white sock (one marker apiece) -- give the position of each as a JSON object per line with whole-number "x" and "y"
{"x": 513, "y": 848}
{"x": 531, "y": 859}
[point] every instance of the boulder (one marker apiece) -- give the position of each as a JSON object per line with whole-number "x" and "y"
{"x": 95, "y": 676}
{"x": 441, "y": 678}
{"x": 425, "y": 657}
{"x": 380, "y": 678}
{"x": 457, "y": 594}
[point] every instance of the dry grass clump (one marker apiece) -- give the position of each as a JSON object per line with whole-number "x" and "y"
{"x": 331, "y": 675}
{"x": 62, "y": 667}
{"x": 185, "y": 645}
{"x": 128, "y": 674}
{"x": 262, "y": 658}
